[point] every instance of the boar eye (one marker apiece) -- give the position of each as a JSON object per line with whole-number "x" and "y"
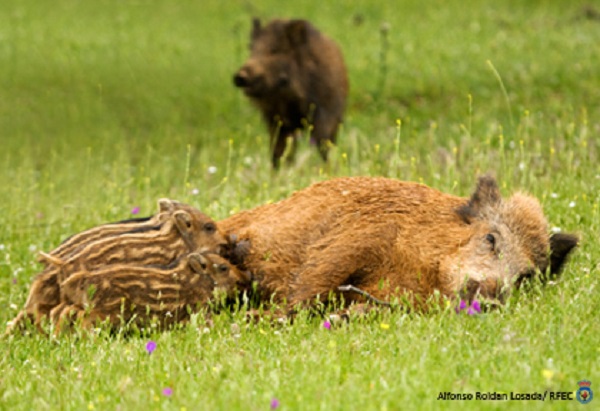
{"x": 491, "y": 239}
{"x": 223, "y": 268}
{"x": 210, "y": 228}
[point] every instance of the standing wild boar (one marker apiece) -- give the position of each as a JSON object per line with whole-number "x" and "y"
{"x": 297, "y": 78}
{"x": 395, "y": 239}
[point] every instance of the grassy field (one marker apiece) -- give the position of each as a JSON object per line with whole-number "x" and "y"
{"x": 109, "y": 105}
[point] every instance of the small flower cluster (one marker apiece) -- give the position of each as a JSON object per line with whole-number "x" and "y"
{"x": 151, "y": 346}
{"x": 474, "y": 308}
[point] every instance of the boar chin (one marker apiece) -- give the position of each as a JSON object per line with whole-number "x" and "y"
{"x": 255, "y": 90}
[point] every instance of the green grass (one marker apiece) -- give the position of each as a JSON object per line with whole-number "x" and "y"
{"x": 107, "y": 105}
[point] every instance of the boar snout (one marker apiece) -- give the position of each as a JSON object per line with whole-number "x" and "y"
{"x": 240, "y": 79}
{"x": 251, "y": 80}
{"x": 249, "y": 75}
{"x": 489, "y": 292}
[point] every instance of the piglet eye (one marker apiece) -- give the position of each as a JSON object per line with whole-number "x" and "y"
{"x": 491, "y": 239}
{"x": 210, "y": 227}
{"x": 223, "y": 268}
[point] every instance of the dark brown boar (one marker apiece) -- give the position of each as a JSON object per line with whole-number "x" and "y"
{"x": 395, "y": 239}
{"x": 297, "y": 78}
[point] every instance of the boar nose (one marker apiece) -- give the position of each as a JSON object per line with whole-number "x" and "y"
{"x": 240, "y": 79}
{"x": 244, "y": 76}
{"x": 248, "y": 74}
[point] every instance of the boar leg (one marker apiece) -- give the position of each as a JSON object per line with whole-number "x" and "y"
{"x": 342, "y": 258}
{"x": 364, "y": 294}
{"x": 44, "y": 294}
{"x": 279, "y": 136}
{"x": 324, "y": 133}
{"x": 18, "y": 323}
{"x": 64, "y": 316}
{"x": 43, "y": 297}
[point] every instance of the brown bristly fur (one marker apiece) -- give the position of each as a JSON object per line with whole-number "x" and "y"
{"x": 393, "y": 239}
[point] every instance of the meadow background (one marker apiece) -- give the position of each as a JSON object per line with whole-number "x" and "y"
{"x": 108, "y": 105}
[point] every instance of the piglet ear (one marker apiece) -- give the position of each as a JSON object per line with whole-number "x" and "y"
{"x": 183, "y": 221}
{"x": 255, "y": 27}
{"x": 486, "y": 196}
{"x": 165, "y": 205}
{"x": 297, "y": 32}
{"x": 561, "y": 246}
{"x": 197, "y": 263}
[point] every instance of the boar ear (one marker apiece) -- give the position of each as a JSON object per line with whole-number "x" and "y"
{"x": 561, "y": 246}
{"x": 297, "y": 32}
{"x": 183, "y": 221}
{"x": 197, "y": 263}
{"x": 165, "y": 205}
{"x": 486, "y": 195}
{"x": 255, "y": 27}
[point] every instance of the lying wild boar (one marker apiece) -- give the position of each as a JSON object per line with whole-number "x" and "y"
{"x": 123, "y": 293}
{"x": 158, "y": 240}
{"x": 296, "y": 76}
{"x": 395, "y": 239}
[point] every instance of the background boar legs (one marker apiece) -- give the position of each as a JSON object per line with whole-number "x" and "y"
{"x": 279, "y": 139}
{"x": 323, "y": 133}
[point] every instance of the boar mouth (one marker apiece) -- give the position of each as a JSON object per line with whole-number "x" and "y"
{"x": 253, "y": 92}
{"x": 489, "y": 293}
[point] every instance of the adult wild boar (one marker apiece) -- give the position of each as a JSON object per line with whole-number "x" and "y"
{"x": 297, "y": 77}
{"x": 395, "y": 239}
